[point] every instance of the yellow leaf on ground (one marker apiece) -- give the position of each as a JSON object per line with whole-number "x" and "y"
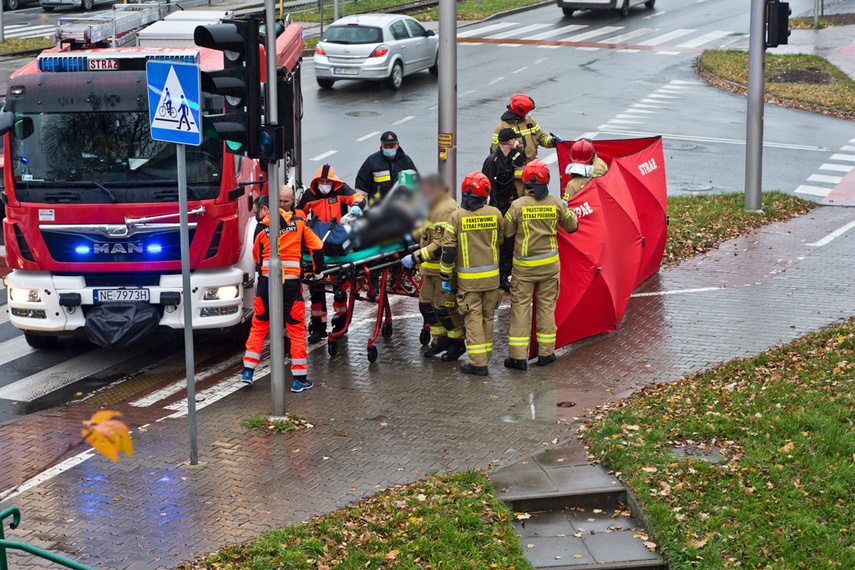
{"x": 391, "y": 555}
{"x": 108, "y": 435}
{"x": 788, "y": 448}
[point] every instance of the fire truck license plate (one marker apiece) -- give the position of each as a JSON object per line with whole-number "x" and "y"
{"x": 121, "y": 295}
{"x": 346, "y": 70}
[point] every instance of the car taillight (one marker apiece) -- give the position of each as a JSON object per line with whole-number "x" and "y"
{"x": 319, "y": 50}
{"x": 379, "y": 51}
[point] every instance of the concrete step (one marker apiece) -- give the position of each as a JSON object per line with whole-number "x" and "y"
{"x": 582, "y": 537}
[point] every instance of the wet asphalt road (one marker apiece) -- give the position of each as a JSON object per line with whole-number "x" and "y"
{"x": 598, "y": 92}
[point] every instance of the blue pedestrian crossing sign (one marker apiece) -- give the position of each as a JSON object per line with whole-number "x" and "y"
{"x": 173, "y": 102}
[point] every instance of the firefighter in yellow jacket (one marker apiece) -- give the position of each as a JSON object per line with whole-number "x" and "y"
{"x": 438, "y": 307}
{"x": 529, "y": 134}
{"x": 584, "y": 166}
{"x": 470, "y": 249}
{"x": 534, "y": 220}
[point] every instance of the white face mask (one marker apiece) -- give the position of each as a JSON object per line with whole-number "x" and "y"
{"x": 325, "y": 188}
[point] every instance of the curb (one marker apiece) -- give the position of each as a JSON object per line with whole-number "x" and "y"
{"x": 598, "y": 498}
{"x": 721, "y": 83}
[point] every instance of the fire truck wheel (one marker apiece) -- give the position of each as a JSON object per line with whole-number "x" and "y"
{"x": 87, "y": 5}
{"x": 324, "y": 83}
{"x": 372, "y": 354}
{"x": 567, "y": 11}
{"x": 41, "y": 341}
{"x": 12, "y": 5}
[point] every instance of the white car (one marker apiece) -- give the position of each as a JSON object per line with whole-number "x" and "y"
{"x": 375, "y": 47}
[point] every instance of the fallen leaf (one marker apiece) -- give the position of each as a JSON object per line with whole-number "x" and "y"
{"x": 391, "y": 555}
{"x": 698, "y": 543}
{"x": 649, "y": 469}
{"x": 788, "y": 448}
{"x": 651, "y": 546}
{"x": 577, "y": 556}
{"x": 523, "y": 516}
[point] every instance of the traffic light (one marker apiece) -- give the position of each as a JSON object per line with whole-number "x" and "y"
{"x": 777, "y": 23}
{"x": 239, "y": 82}
{"x": 270, "y": 142}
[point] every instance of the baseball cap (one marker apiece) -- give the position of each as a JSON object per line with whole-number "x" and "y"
{"x": 388, "y": 138}
{"x": 507, "y": 134}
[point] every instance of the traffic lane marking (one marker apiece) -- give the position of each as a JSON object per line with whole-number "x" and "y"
{"x": 523, "y": 68}
{"x": 833, "y": 235}
{"x": 496, "y": 80}
{"x": 813, "y": 190}
{"x": 404, "y": 120}
{"x": 837, "y": 167}
{"x": 715, "y": 140}
{"x": 565, "y": 43}
{"x": 368, "y": 136}
{"x": 323, "y": 155}
{"x": 48, "y": 474}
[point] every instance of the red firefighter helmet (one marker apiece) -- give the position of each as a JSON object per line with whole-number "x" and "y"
{"x": 536, "y": 171}
{"x": 521, "y": 104}
{"x": 582, "y": 151}
{"x": 477, "y": 183}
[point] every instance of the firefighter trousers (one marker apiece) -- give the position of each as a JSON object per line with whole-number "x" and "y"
{"x": 440, "y": 310}
{"x": 545, "y": 290}
{"x": 318, "y": 297}
{"x": 295, "y": 324}
{"x": 478, "y": 308}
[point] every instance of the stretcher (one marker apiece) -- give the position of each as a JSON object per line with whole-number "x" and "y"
{"x": 366, "y": 275}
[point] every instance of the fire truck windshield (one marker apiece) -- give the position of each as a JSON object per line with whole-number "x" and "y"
{"x": 93, "y": 157}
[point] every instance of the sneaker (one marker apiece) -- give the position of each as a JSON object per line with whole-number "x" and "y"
{"x": 544, "y": 360}
{"x": 300, "y": 385}
{"x": 516, "y": 364}
{"x": 477, "y": 370}
{"x": 247, "y": 376}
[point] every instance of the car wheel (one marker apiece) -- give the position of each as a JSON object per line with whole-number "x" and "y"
{"x": 324, "y": 83}
{"x": 567, "y": 11}
{"x": 44, "y": 342}
{"x": 434, "y": 69}
{"x": 650, "y": 3}
{"x": 624, "y": 10}
{"x": 396, "y": 78}
{"x": 48, "y": 8}
{"x": 12, "y": 4}
{"x": 87, "y": 5}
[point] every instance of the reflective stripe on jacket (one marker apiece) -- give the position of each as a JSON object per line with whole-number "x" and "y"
{"x": 470, "y": 248}
{"x": 534, "y": 225}
{"x": 529, "y": 132}
{"x": 294, "y": 235}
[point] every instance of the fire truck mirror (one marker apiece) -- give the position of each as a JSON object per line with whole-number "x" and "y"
{"x": 24, "y": 128}
{"x": 236, "y": 193}
{"x": 7, "y": 120}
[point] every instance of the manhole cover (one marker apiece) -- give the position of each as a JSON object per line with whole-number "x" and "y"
{"x": 363, "y": 114}
{"x": 679, "y": 146}
{"x": 689, "y": 187}
{"x": 699, "y": 452}
{"x": 565, "y": 404}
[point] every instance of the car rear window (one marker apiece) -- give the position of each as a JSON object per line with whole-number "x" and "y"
{"x": 354, "y": 35}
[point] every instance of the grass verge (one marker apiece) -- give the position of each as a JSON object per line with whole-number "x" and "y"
{"x": 795, "y": 80}
{"x": 781, "y": 425}
{"x": 455, "y": 521}
{"x": 824, "y": 21}
{"x": 700, "y": 223}
{"x": 310, "y": 43}
{"x": 13, "y": 45}
{"x": 292, "y": 422}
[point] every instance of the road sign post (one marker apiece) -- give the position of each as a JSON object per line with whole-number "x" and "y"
{"x": 174, "y": 96}
{"x": 756, "y": 97}
{"x": 277, "y": 302}
{"x": 447, "y": 87}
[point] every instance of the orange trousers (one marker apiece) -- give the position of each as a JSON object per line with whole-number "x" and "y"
{"x": 295, "y": 324}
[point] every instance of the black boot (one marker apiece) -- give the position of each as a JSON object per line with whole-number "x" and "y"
{"x": 438, "y": 348}
{"x": 338, "y": 323}
{"x": 317, "y": 330}
{"x": 544, "y": 360}
{"x": 517, "y": 364}
{"x": 477, "y": 370}
{"x": 456, "y": 349}
{"x": 505, "y": 283}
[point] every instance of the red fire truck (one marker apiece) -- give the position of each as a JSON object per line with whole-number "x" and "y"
{"x": 92, "y": 201}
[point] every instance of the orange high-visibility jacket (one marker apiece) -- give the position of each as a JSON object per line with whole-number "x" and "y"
{"x": 294, "y": 235}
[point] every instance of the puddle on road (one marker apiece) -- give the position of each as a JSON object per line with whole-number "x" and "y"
{"x": 550, "y": 404}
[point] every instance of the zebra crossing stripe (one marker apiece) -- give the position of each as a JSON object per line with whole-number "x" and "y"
{"x": 659, "y": 40}
{"x": 485, "y": 29}
{"x": 558, "y": 31}
{"x": 704, "y": 39}
{"x": 517, "y": 32}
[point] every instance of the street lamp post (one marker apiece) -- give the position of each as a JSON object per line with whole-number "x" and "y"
{"x": 756, "y": 89}
{"x": 447, "y": 62}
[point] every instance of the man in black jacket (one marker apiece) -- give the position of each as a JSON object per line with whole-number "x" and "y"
{"x": 380, "y": 171}
{"x": 504, "y": 168}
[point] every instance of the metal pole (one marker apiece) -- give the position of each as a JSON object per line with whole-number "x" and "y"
{"x": 756, "y": 88}
{"x": 815, "y": 14}
{"x": 2, "y": 22}
{"x": 189, "y": 358}
{"x": 297, "y": 158}
{"x": 321, "y": 10}
{"x": 447, "y": 139}
{"x": 277, "y": 317}
{"x": 335, "y": 10}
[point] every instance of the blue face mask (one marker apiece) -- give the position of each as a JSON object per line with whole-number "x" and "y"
{"x": 390, "y": 152}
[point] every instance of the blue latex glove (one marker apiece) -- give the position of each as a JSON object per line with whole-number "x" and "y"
{"x": 408, "y": 261}
{"x": 556, "y": 137}
{"x": 355, "y": 211}
{"x": 446, "y": 287}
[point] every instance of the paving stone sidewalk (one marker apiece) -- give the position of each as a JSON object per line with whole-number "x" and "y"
{"x": 402, "y": 418}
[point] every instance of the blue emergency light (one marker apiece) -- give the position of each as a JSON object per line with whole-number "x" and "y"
{"x": 82, "y": 250}
{"x": 154, "y": 248}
